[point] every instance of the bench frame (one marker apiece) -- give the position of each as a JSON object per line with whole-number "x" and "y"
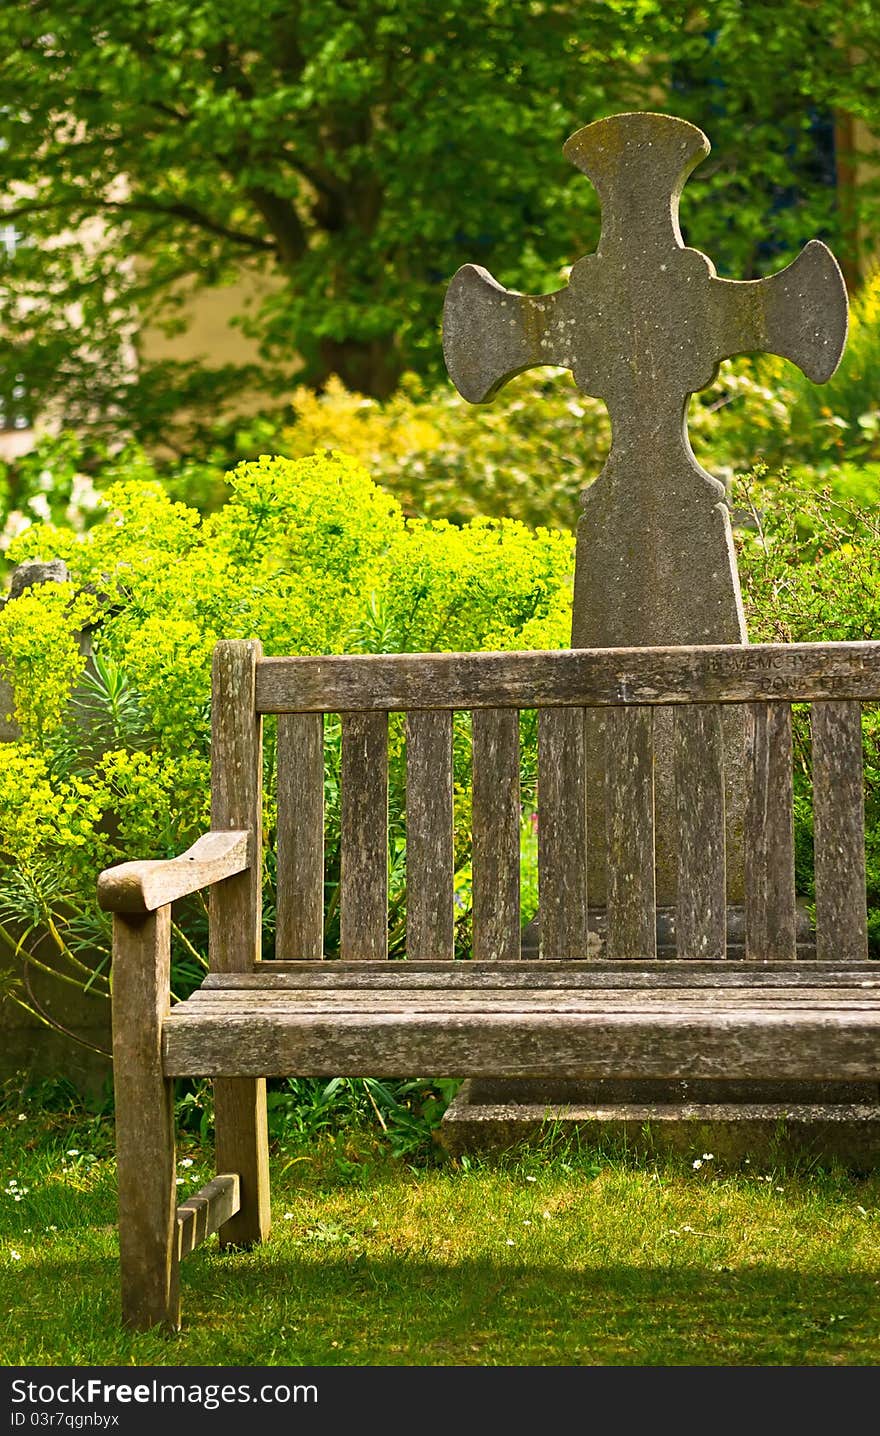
{"x": 150, "y": 1046}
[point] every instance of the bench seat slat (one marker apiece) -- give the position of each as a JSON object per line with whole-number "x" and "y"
{"x": 522, "y": 1000}
{"x": 503, "y": 975}
{"x": 748, "y": 1042}
{"x": 839, "y": 831}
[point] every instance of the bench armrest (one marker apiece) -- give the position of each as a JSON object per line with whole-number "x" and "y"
{"x": 145, "y": 886}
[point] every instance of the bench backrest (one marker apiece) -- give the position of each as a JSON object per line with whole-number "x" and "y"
{"x": 630, "y": 684}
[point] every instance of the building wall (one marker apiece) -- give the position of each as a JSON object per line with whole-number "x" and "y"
{"x": 210, "y": 333}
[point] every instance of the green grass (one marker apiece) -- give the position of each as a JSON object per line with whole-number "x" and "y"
{"x": 539, "y": 1260}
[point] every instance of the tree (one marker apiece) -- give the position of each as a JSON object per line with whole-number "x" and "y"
{"x": 358, "y": 151}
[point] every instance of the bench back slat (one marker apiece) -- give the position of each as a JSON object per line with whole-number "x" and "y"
{"x": 363, "y": 900}
{"x": 236, "y": 802}
{"x": 839, "y": 831}
{"x": 495, "y": 807}
{"x": 701, "y": 912}
{"x": 300, "y": 835}
{"x": 629, "y": 833}
{"x": 771, "y": 931}
{"x": 562, "y": 834}
{"x": 565, "y": 688}
{"x": 429, "y": 835}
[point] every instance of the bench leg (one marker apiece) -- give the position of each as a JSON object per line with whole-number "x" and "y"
{"x": 241, "y": 1145}
{"x": 144, "y": 1101}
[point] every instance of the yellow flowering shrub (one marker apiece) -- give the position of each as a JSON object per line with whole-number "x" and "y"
{"x": 308, "y": 555}
{"x": 527, "y": 455}
{"x": 40, "y": 656}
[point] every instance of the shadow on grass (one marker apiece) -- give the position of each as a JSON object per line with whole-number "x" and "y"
{"x": 274, "y": 1307}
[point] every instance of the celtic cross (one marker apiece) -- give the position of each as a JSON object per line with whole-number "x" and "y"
{"x": 642, "y": 324}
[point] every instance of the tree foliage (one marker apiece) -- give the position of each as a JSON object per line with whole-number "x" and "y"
{"x": 352, "y": 153}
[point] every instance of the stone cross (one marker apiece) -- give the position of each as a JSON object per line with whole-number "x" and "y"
{"x": 642, "y": 324}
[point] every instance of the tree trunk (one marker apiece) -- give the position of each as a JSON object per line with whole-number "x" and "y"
{"x": 371, "y": 367}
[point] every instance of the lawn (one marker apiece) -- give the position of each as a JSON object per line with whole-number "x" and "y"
{"x": 540, "y": 1259}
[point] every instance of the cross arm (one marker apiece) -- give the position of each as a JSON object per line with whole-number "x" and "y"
{"x": 801, "y": 314}
{"x": 143, "y": 887}
{"x": 491, "y": 333}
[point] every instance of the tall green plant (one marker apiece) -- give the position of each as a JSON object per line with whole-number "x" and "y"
{"x": 310, "y": 556}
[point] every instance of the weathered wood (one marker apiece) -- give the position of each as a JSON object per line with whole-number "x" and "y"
{"x": 140, "y": 887}
{"x": 629, "y": 834}
{"x": 241, "y": 1145}
{"x": 839, "y": 832}
{"x": 363, "y": 904}
{"x": 701, "y": 914}
{"x": 565, "y": 1017}
{"x": 241, "y": 1142}
{"x": 144, "y": 1120}
{"x": 429, "y": 832}
{"x": 771, "y": 929}
{"x": 501, "y": 976}
{"x": 580, "y": 677}
{"x": 299, "y": 897}
{"x": 502, "y": 999}
{"x": 495, "y": 806}
{"x": 810, "y": 1043}
{"x": 236, "y": 803}
{"x": 562, "y": 833}
{"x": 205, "y": 1211}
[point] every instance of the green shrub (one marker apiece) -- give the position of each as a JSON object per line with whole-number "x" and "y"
{"x": 810, "y": 569}
{"x": 528, "y": 455}
{"x": 310, "y": 556}
{"x": 531, "y": 451}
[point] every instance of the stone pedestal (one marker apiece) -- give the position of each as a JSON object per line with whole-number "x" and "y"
{"x": 737, "y": 1125}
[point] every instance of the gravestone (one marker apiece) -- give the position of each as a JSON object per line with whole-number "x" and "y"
{"x": 642, "y": 324}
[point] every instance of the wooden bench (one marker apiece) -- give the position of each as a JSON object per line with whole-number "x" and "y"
{"x": 626, "y": 1016}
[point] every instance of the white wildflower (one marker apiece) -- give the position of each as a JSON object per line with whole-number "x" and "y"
{"x": 39, "y": 505}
